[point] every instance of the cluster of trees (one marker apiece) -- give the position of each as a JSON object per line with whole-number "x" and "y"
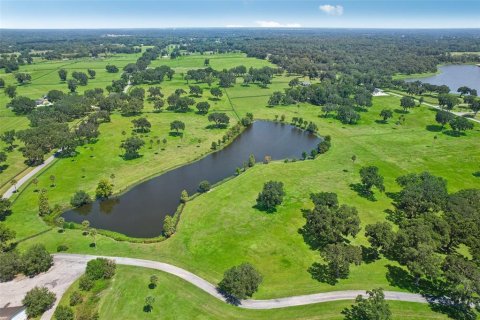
{"x": 233, "y": 131}
{"x": 328, "y": 227}
{"x": 458, "y": 124}
{"x": 12, "y": 62}
{"x": 432, "y": 225}
{"x": 33, "y": 261}
{"x": 271, "y": 196}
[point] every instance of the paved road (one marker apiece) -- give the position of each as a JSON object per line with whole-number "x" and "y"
{"x": 68, "y": 267}
{"x": 26, "y": 177}
{"x": 460, "y": 114}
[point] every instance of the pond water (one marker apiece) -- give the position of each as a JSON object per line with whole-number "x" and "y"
{"x": 140, "y": 211}
{"x": 455, "y": 76}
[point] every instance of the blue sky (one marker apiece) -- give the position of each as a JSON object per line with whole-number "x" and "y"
{"x": 239, "y": 13}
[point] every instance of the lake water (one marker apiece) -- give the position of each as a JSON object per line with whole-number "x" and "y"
{"x": 140, "y": 211}
{"x": 455, "y": 76}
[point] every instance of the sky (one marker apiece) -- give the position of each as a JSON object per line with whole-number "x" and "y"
{"x": 86, "y": 14}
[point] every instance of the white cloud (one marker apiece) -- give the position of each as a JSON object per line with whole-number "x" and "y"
{"x": 275, "y": 24}
{"x": 332, "y": 10}
{"x": 234, "y": 26}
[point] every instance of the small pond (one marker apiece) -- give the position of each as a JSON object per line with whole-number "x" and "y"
{"x": 455, "y": 76}
{"x": 140, "y": 211}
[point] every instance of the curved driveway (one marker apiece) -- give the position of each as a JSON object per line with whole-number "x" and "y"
{"x": 68, "y": 267}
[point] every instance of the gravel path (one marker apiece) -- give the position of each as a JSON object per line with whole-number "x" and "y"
{"x": 68, "y": 267}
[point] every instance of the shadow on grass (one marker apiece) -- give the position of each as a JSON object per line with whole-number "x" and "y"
{"x": 476, "y": 174}
{"x": 434, "y": 128}
{"x": 400, "y": 111}
{"x": 216, "y": 126}
{"x": 263, "y": 209}
{"x": 230, "y": 299}
{"x": 321, "y": 273}
{"x": 369, "y": 255}
{"x": 3, "y": 167}
{"x": 381, "y": 122}
{"x": 394, "y": 216}
{"x": 453, "y": 133}
{"x": 362, "y": 191}
{"x": 175, "y": 134}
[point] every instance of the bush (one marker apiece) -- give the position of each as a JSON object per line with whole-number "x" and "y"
{"x": 80, "y": 198}
{"x": 64, "y": 313}
{"x": 271, "y": 195}
{"x": 37, "y": 301}
{"x": 168, "y": 226}
{"x": 204, "y": 186}
{"x": 62, "y": 248}
{"x": 85, "y": 283}
{"x": 10, "y": 264}
{"x": 100, "y": 268}
{"x": 240, "y": 281}
{"x": 76, "y": 298}
{"x": 36, "y": 260}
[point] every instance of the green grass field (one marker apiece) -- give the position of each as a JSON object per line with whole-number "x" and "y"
{"x": 177, "y": 299}
{"x": 221, "y": 228}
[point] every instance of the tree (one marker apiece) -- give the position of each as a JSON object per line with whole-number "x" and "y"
{"x": 271, "y": 195}
{"x": 407, "y": 102}
{"x": 91, "y": 73}
{"x": 85, "y": 226}
{"x": 204, "y": 186}
{"x": 43, "y": 206}
{"x": 460, "y": 124}
{"x": 380, "y": 236}
{"x": 251, "y": 160}
{"x": 93, "y": 234}
{"x": 177, "y": 125}
{"x": 421, "y": 193}
{"x": 62, "y": 74}
{"x": 221, "y": 119}
{"x": 196, "y": 91}
{"x": 131, "y": 146}
{"x": 64, "y": 313}
{"x": 216, "y": 92}
{"x": 149, "y": 301}
{"x": 111, "y": 68}
{"x": 240, "y": 281}
{"x": 443, "y": 117}
{"x": 80, "y": 198}
{"x": 168, "y": 226}
{"x": 104, "y": 189}
{"x": 447, "y": 101}
{"x": 3, "y": 158}
{"x": 153, "y": 281}
{"x": 10, "y": 91}
{"x": 463, "y": 279}
{"x": 72, "y": 85}
{"x": 10, "y": 265}
{"x": 155, "y": 92}
{"x": 386, "y": 114}
{"x": 275, "y": 98}
{"x": 137, "y": 93}
{"x": 372, "y": 308}
{"x": 339, "y": 256}
{"x": 37, "y": 301}
{"x": 328, "y": 222}
{"x": 75, "y": 298}
{"x": 21, "y": 105}
{"x": 60, "y": 222}
{"x": 371, "y": 178}
{"x": 141, "y": 125}
{"x": 463, "y": 90}
{"x": 52, "y": 178}
{"x": 6, "y": 235}
{"x": 36, "y": 260}
{"x": 158, "y": 104}
{"x": 23, "y": 77}
{"x": 184, "y": 196}
{"x": 132, "y": 106}
{"x": 203, "y": 107}
{"x": 55, "y": 95}
{"x": 9, "y": 138}
{"x": 347, "y": 115}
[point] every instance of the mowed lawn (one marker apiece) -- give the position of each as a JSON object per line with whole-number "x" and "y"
{"x": 221, "y": 228}
{"x": 177, "y": 299}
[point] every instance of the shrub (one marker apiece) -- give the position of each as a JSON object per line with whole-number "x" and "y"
{"x": 204, "y": 186}
{"x": 168, "y": 226}
{"x": 10, "y": 264}
{"x": 64, "y": 313}
{"x": 104, "y": 189}
{"x": 76, "y": 298}
{"x": 37, "y": 301}
{"x": 80, "y": 198}
{"x": 36, "y": 260}
{"x": 62, "y": 248}
{"x": 85, "y": 283}
{"x": 240, "y": 281}
{"x": 100, "y": 268}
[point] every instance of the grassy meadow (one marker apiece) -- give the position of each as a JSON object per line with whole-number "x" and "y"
{"x": 221, "y": 228}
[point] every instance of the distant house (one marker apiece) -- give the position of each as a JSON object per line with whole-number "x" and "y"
{"x": 42, "y": 102}
{"x": 305, "y": 83}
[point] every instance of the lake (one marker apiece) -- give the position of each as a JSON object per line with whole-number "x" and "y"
{"x": 140, "y": 211}
{"x": 455, "y": 76}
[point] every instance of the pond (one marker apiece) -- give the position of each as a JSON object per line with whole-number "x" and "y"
{"x": 140, "y": 211}
{"x": 455, "y": 76}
